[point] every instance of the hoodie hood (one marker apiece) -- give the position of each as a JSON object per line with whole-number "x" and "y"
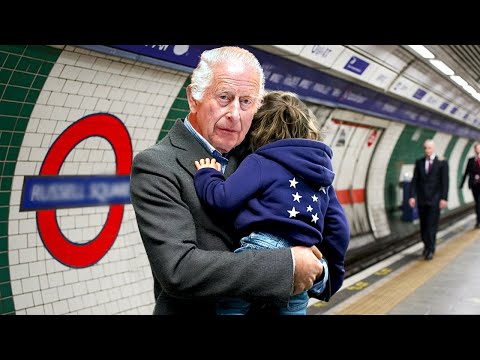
{"x": 309, "y": 158}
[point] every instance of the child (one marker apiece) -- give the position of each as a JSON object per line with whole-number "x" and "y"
{"x": 282, "y": 193}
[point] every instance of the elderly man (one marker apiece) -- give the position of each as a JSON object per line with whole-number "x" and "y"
{"x": 191, "y": 251}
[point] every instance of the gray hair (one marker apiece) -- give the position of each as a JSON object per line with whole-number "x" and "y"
{"x": 202, "y": 75}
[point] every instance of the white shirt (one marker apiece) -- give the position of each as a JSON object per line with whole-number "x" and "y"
{"x": 432, "y": 157}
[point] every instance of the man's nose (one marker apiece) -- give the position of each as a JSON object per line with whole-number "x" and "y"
{"x": 234, "y": 111}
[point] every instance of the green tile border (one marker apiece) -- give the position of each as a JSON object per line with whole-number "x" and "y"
{"x": 23, "y": 73}
{"x": 462, "y": 164}
{"x": 6, "y": 306}
{"x": 406, "y": 151}
{"x": 178, "y": 110}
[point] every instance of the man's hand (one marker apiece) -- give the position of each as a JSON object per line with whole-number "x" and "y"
{"x": 307, "y": 267}
{"x": 443, "y": 204}
{"x": 411, "y": 202}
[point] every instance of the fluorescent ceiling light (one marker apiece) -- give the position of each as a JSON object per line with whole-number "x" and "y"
{"x": 476, "y": 96}
{"x": 440, "y": 65}
{"x": 470, "y": 89}
{"x": 465, "y": 86}
{"x": 423, "y": 51}
{"x": 459, "y": 80}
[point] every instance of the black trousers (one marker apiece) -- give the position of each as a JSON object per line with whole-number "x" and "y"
{"x": 429, "y": 215}
{"x": 476, "y": 197}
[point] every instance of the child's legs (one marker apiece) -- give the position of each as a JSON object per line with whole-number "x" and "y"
{"x": 254, "y": 241}
{"x": 232, "y": 306}
{"x": 261, "y": 240}
{"x": 297, "y": 305}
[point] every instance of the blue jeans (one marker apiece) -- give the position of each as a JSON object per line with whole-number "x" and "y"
{"x": 297, "y": 304}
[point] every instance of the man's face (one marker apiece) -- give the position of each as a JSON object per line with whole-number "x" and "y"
{"x": 477, "y": 149}
{"x": 429, "y": 148}
{"x": 225, "y": 113}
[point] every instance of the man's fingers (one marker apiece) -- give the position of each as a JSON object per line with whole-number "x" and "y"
{"x": 316, "y": 252}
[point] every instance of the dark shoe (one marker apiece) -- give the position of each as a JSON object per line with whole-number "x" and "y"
{"x": 477, "y": 226}
{"x": 424, "y": 253}
{"x": 429, "y": 255}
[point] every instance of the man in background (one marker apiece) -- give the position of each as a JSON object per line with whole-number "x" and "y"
{"x": 473, "y": 172}
{"x": 429, "y": 191}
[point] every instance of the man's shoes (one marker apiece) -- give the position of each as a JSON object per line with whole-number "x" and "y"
{"x": 429, "y": 255}
{"x": 425, "y": 251}
{"x": 477, "y": 226}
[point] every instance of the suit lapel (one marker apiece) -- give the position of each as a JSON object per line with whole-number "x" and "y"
{"x": 182, "y": 139}
{"x": 474, "y": 163}
{"x": 232, "y": 165}
{"x": 424, "y": 166}
{"x": 434, "y": 164}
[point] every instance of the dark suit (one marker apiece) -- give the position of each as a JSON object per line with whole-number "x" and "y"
{"x": 429, "y": 189}
{"x": 471, "y": 170}
{"x": 190, "y": 251}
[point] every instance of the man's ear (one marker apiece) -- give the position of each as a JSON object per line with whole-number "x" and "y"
{"x": 192, "y": 103}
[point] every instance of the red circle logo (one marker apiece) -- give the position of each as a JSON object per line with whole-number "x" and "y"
{"x": 114, "y": 131}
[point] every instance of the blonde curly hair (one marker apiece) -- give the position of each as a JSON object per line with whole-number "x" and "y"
{"x": 282, "y": 116}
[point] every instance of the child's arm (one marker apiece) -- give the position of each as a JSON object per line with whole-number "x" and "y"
{"x": 207, "y": 162}
{"x": 230, "y": 194}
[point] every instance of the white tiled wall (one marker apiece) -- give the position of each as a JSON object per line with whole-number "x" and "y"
{"x": 376, "y": 180}
{"x": 82, "y": 83}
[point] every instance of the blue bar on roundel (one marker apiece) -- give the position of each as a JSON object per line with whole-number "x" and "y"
{"x": 56, "y": 192}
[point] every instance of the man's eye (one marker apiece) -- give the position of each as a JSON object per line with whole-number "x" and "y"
{"x": 223, "y": 99}
{"x": 247, "y": 103}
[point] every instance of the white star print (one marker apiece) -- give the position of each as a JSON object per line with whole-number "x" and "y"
{"x": 322, "y": 189}
{"x": 293, "y": 212}
{"x": 315, "y": 198}
{"x": 293, "y": 183}
{"x": 297, "y": 197}
{"x": 309, "y": 208}
{"x": 314, "y": 218}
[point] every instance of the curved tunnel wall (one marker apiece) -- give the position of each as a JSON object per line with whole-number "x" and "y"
{"x": 45, "y": 92}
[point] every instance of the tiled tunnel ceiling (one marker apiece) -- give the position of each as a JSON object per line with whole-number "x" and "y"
{"x": 468, "y": 57}
{"x": 463, "y": 59}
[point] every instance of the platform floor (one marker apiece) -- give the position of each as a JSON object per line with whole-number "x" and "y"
{"x": 408, "y": 284}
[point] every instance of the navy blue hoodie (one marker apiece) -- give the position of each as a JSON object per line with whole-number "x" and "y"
{"x": 284, "y": 188}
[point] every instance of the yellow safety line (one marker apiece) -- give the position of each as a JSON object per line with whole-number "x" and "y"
{"x": 381, "y": 300}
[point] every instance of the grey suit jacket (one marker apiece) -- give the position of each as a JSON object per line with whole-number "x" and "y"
{"x": 189, "y": 249}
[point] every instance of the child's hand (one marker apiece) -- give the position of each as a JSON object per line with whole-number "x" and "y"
{"x": 208, "y": 163}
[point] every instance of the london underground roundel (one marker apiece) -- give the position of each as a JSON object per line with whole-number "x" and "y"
{"x": 114, "y": 131}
